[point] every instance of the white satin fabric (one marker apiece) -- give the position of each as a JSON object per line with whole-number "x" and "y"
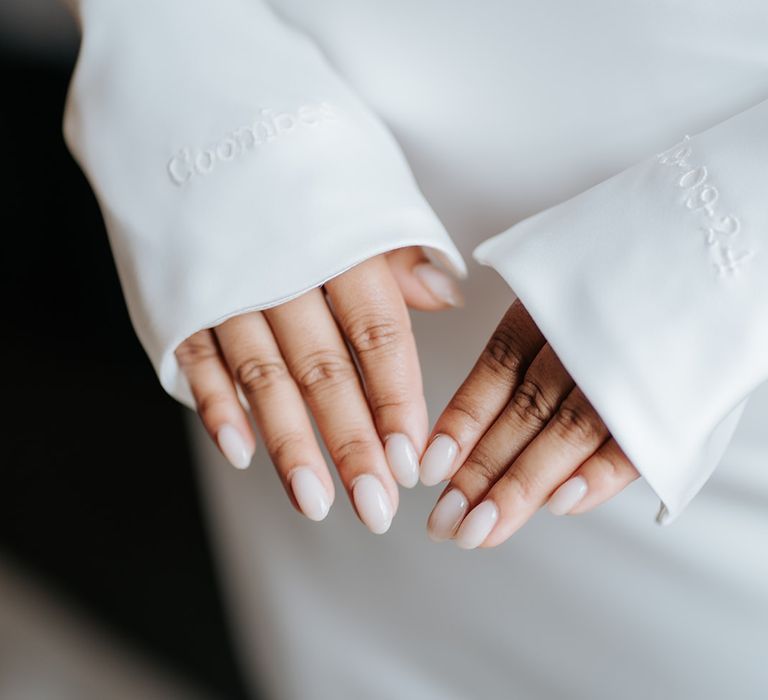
{"x": 503, "y": 110}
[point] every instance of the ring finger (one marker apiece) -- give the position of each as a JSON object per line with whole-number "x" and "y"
{"x": 254, "y": 359}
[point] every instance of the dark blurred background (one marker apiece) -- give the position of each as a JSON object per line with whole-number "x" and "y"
{"x": 100, "y": 501}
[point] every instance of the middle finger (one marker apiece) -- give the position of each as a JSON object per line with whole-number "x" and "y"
{"x": 319, "y": 361}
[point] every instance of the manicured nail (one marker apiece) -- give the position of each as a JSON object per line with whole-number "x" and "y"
{"x": 437, "y": 463}
{"x": 477, "y": 525}
{"x": 439, "y": 284}
{"x": 567, "y": 497}
{"x": 372, "y": 503}
{"x": 403, "y": 459}
{"x": 310, "y": 493}
{"x": 234, "y": 446}
{"x": 447, "y": 515}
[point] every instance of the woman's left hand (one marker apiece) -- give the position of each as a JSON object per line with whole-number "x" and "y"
{"x": 518, "y": 434}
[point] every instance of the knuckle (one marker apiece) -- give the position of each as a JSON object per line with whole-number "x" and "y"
{"x": 577, "y": 423}
{"x": 502, "y": 353}
{"x": 211, "y": 404}
{"x": 530, "y": 403}
{"x": 466, "y": 411}
{"x": 323, "y": 369}
{"x": 350, "y": 447}
{"x": 195, "y": 349}
{"x": 385, "y": 405}
{"x": 369, "y": 334}
{"x": 281, "y": 446}
{"x": 256, "y": 373}
{"x": 614, "y": 469}
{"x": 524, "y": 487}
{"x": 483, "y": 466}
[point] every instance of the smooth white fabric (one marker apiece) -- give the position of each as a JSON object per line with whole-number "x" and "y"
{"x": 234, "y": 169}
{"x": 504, "y": 110}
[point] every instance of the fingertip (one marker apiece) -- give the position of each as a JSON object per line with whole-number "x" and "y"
{"x": 424, "y": 285}
{"x": 310, "y": 494}
{"x": 234, "y": 446}
{"x": 403, "y": 459}
{"x": 568, "y": 496}
{"x": 444, "y": 289}
{"x": 373, "y": 504}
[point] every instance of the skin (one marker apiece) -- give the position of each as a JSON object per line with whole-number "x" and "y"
{"x": 523, "y": 429}
{"x": 344, "y": 354}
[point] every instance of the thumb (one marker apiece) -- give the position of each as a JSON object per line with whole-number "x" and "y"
{"x": 424, "y": 286}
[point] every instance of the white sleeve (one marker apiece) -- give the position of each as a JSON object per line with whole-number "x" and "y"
{"x": 652, "y": 287}
{"x": 234, "y": 169}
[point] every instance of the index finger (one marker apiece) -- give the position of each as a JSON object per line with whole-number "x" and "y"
{"x": 483, "y": 395}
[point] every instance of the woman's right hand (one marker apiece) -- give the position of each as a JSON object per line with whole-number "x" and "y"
{"x": 350, "y": 356}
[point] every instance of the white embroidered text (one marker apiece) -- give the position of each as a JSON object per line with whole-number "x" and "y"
{"x": 700, "y": 195}
{"x": 266, "y": 128}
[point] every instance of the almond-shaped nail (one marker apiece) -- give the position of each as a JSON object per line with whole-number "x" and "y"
{"x": 437, "y": 463}
{"x": 372, "y": 503}
{"x": 310, "y": 493}
{"x": 439, "y": 284}
{"x": 568, "y": 496}
{"x": 403, "y": 459}
{"x": 446, "y": 515}
{"x": 234, "y": 447}
{"x": 477, "y": 525}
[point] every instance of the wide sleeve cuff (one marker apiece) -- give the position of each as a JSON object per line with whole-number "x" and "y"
{"x": 652, "y": 288}
{"x": 234, "y": 169}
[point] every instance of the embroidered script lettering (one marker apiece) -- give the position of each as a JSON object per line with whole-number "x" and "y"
{"x": 266, "y": 128}
{"x": 700, "y": 195}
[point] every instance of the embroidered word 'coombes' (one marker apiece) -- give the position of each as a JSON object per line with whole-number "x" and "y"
{"x": 268, "y": 127}
{"x": 701, "y": 195}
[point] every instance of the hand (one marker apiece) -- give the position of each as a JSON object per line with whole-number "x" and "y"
{"x": 518, "y": 433}
{"x": 372, "y": 419}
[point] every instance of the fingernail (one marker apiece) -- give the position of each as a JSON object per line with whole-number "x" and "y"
{"x": 437, "y": 463}
{"x": 403, "y": 460}
{"x": 447, "y": 515}
{"x": 310, "y": 494}
{"x": 372, "y": 503}
{"x": 477, "y": 525}
{"x": 234, "y": 446}
{"x": 439, "y": 284}
{"x": 566, "y": 498}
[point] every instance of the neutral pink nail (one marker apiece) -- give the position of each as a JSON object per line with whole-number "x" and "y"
{"x": 234, "y": 447}
{"x": 477, "y": 525}
{"x": 446, "y": 515}
{"x": 403, "y": 459}
{"x": 437, "y": 463}
{"x": 372, "y": 503}
{"x": 568, "y": 496}
{"x": 439, "y": 284}
{"x": 310, "y": 493}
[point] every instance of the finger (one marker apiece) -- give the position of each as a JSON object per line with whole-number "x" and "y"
{"x": 569, "y": 439}
{"x": 424, "y": 286}
{"x": 319, "y": 362}
{"x": 372, "y": 315}
{"x": 483, "y": 395}
{"x": 255, "y": 361}
{"x": 216, "y": 399}
{"x": 600, "y": 478}
{"x": 534, "y": 402}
